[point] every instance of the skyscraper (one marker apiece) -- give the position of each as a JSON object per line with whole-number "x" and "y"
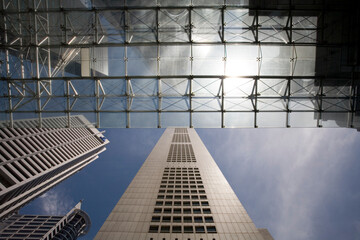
{"x": 179, "y": 193}
{"x": 35, "y": 159}
{"x": 74, "y": 224}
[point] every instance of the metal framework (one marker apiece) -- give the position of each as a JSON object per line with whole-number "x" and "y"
{"x": 176, "y": 63}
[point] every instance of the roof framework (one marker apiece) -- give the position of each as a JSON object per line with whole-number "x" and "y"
{"x": 173, "y": 63}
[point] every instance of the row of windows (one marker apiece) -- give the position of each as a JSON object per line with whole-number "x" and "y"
{"x": 184, "y": 210}
{"x": 193, "y": 191}
{"x": 182, "y": 203}
{"x": 181, "y": 138}
{"x": 181, "y": 186}
{"x": 181, "y": 174}
{"x": 181, "y": 182}
{"x": 180, "y": 169}
{"x": 186, "y": 219}
{"x": 182, "y": 229}
{"x": 181, "y": 130}
{"x": 33, "y": 141}
{"x": 181, "y": 153}
{"x": 189, "y": 197}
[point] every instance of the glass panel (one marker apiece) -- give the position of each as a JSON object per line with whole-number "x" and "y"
{"x": 116, "y": 61}
{"x": 238, "y": 23}
{"x": 141, "y": 24}
{"x": 271, "y": 119}
{"x": 275, "y": 104}
{"x": 304, "y": 28}
{"x": 206, "y": 120}
{"x": 238, "y": 104}
{"x": 206, "y": 87}
{"x": 275, "y": 60}
{"x": 174, "y": 2}
{"x": 303, "y": 88}
{"x": 206, "y": 25}
{"x": 205, "y": 103}
{"x": 272, "y": 87}
{"x": 144, "y": 104}
{"x": 143, "y": 120}
{"x": 242, "y": 60}
{"x": 113, "y": 120}
{"x": 113, "y": 103}
{"x": 175, "y": 103}
{"x": 303, "y": 119}
{"x": 172, "y": 119}
{"x": 238, "y": 87}
{"x": 304, "y": 64}
{"x": 208, "y": 60}
{"x": 54, "y": 104}
{"x": 173, "y": 25}
{"x": 335, "y": 119}
{"x": 113, "y": 87}
{"x": 175, "y": 60}
{"x": 142, "y": 60}
{"x": 144, "y": 87}
{"x": 271, "y": 28}
{"x": 174, "y": 87}
{"x": 236, "y": 119}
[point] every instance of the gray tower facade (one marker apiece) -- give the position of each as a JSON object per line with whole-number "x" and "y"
{"x": 33, "y": 160}
{"x": 179, "y": 193}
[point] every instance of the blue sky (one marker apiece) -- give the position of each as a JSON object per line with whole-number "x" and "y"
{"x": 298, "y": 183}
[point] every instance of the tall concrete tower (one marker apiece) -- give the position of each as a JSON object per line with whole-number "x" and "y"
{"x": 179, "y": 193}
{"x": 33, "y": 160}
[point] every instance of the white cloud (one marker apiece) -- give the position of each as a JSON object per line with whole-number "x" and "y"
{"x": 55, "y": 202}
{"x": 287, "y": 173}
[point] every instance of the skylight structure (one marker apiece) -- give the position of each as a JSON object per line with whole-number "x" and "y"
{"x": 160, "y": 63}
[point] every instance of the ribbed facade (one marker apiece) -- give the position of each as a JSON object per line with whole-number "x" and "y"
{"x": 179, "y": 193}
{"x": 33, "y": 160}
{"x": 33, "y": 227}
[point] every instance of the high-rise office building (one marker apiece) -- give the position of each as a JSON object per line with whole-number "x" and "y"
{"x": 179, "y": 193}
{"x": 33, "y": 160}
{"x": 191, "y": 63}
{"x": 35, "y": 227}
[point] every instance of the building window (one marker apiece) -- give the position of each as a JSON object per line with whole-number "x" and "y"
{"x": 167, "y": 210}
{"x": 187, "y": 210}
{"x": 153, "y": 229}
{"x": 211, "y": 229}
{"x": 159, "y": 203}
{"x": 166, "y": 219}
{"x": 187, "y": 219}
{"x": 200, "y": 229}
{"x": 197, "y": 211}
{"x": 205, "y": 203}
{"x": 177, "y": 210}
{"x": 155, "y": 219}
{"x": 206, "y": 210}
{"x": 177, "y": 219}
{"x": 188, "y": 229}
{"x": 176, "y": 229}
{"x": 165, "y": 229}
{"x": 198, "y": 219}
{"x": 209, "y": 219}
{"x": 157, "y": 210}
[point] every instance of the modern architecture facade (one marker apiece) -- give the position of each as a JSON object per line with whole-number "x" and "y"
{"x": 35, "y": 227}
{"x": 192, "y": 63}
{"x": 179, "y": 193}
{"x": 33, "y": 160}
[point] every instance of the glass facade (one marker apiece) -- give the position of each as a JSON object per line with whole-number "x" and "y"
{"x": 161, "y": 63}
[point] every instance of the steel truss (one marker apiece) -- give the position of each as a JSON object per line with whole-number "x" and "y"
{"x": 193, "y": 65}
